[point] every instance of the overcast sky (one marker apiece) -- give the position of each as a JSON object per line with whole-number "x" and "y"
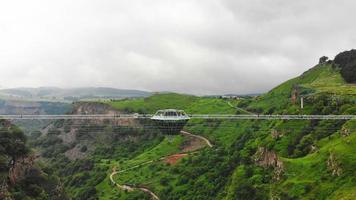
{"x": 191, "y": 46}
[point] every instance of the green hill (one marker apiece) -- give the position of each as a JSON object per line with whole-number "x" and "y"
{"x": 189, "y": 103}
{"x": 286, "y": 159}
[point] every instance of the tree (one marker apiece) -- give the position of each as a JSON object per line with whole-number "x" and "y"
{"x": 323, "y": 60}
{"x": 347, "y": 62}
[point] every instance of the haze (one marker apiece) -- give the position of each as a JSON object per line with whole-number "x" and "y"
{"x": 190, "y": 46}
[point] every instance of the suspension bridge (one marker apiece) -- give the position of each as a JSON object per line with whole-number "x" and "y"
{"x": 191, "y": 116}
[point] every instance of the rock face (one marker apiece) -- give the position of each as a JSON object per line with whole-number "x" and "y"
{"x": 17, "y": 172}
{"x": 345, "y": 132}
{"x": 19, "y": 168}
{"x": 266, "y": 159}
{"x": 91, "y": 108}
{"x": 334, "y": 165}
{"x": 294, "y": 96}
{"x": 78, "y": 133}
{"x": 100, "y": 108}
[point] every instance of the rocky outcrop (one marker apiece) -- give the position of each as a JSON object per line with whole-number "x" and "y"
{"x": 20, "y": 167}
{"x": 93, "y": 108}
{"x": 276, "y": 134}
{"x": 100, "y": 108}
{"x": 75, "y": 153}
{"x": 16, "y": 173}
{"x": 266, "y": 159}
{"x": 345, "y": 132}
{"x": 334, "y": 165}
{"x": 77, "y": 133}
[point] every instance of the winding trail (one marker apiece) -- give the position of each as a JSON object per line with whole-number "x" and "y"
{"x": 199, "y": 137}
{"x": 130, "y": 188}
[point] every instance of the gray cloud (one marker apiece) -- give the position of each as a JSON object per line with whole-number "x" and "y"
{"x": 193, "y": 46}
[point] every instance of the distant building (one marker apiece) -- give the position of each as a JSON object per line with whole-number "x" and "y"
{"x": 230, "y": 97}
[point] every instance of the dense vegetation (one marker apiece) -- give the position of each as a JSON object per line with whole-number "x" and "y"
{"x": 100, "y": 145}
{"x": 347, "y": 62}
{"x": 20, "y": 177}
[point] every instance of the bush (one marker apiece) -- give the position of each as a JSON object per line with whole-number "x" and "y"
{"x": 347, "y": 62}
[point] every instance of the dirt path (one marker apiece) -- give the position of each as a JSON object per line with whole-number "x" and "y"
{"x": 131, "y": 188}
{"x": 199, "y": 137}
{"x": 173, "y": 159}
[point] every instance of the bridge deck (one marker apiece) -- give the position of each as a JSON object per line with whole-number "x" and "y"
{"x": 192, "y": 116}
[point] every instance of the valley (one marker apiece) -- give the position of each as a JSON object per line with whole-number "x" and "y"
{"x": 177, "y": 100}
{"x": 212, "y": 158}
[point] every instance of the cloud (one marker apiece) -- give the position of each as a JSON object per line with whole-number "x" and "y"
{"x": 192, "y": 46}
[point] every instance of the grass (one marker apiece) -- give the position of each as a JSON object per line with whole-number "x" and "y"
{"x": 313, "y": 170}
{"x": 210, "y": 106}
{"x": 170, "y": 145}
{"x": 319, "y": 79}
{"x": 155, "y": 102}
{"x": 329, "y": 80}
{"x": 191, "y": 104}
{"x": 144, "y": 175}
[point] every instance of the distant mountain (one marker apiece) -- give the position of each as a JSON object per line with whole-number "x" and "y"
{"x": 71, "y": 94}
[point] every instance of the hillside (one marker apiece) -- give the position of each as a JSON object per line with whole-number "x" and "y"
{"x": 260, "y": 159}
{"x": 250, "y": 159}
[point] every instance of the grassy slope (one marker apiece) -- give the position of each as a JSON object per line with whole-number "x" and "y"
{"x": 320, "y": 79}
{"x": 153, "y": 103}
{"x": 144, "y": 175}
{"x": 311, "y": 170}
{"x": 308, "y": 176}
{"x": 107, "y": 191}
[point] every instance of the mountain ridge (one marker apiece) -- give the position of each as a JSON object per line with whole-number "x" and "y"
{"x": 70, "y": 94}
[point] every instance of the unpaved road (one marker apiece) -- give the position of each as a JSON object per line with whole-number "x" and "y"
{"x": 199, "y": 137}
{"x": 131, "y": 188}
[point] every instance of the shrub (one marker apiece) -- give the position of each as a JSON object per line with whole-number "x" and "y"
{"x": 347, "y": 62}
